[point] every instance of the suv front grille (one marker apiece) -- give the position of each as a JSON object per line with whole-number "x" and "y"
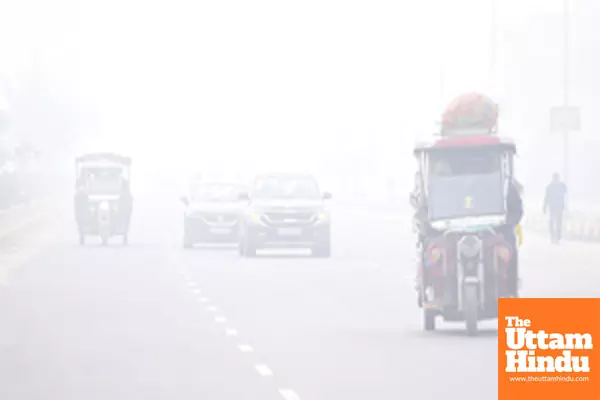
{"x": 280, "y": 218}
{"x": 220, "y": 218}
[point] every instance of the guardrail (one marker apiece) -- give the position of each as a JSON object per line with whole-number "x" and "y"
{"x": 576, "y": 226}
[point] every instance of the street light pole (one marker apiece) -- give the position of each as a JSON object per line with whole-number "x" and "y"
{"x": 566, "y": 87}
{"x": 493, "y": 46}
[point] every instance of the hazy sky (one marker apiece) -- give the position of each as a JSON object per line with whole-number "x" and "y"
{"x": 228, "y": 80}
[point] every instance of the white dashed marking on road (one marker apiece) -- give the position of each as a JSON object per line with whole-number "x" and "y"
{"x": 192, "y": 284}
{"x": 263, "y": 370}
{"x": 203, "y": 299}
{"x": 197, "y": 291}
{"x": 220, "y": 320}
{"x": 231, "y": 332}
{"x": 211, "y": 309}
{"x": 244, "y": 348}
{"x": 289, "y": 394}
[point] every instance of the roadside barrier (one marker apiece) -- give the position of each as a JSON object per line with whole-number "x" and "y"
{"x": 576, "y": 226}
{"x": 15, "y": 219}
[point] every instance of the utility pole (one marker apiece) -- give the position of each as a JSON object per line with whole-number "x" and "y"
{"x": 493, "y": 46}
{"x": 566, "y": 89}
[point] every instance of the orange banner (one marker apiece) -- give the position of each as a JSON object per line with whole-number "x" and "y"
{"x": 547, "y": 349}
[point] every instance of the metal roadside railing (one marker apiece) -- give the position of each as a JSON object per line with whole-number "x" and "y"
{"x": 577, "y": 225}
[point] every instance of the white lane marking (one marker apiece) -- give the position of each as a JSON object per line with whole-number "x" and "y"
{"x": 245, "y": 348}
{"x": 192, "y": 284}
{"x": 211, "y": 309}
{"x": 289, "y": 394}
{"x": 203, "y": 299}
{"x": 263, "y": 370}
{"x": 220, "y": 320}
{"x": 231, "y": 332}
{"x": 197, "y": 291}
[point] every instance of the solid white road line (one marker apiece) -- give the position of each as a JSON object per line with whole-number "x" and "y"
{"x": 220, "y": 320}
{"x": 244, "y": 348}
{"x": 231, "y": 332}
{"x": 263, "y": 370}
{"x": 289, "y": 394}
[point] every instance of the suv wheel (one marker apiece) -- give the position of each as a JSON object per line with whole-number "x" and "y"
{"x": 322, "y": 250}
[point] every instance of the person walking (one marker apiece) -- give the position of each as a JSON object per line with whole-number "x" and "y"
{"x": 555, "y": 205}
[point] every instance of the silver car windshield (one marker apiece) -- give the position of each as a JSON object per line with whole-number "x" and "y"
{"x": 286, "y": 187}
{"x": 216, "y": 192}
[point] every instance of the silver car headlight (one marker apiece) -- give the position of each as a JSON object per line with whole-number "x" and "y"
{"x": 470, "y": 246}
{"x": 323, "y": 216}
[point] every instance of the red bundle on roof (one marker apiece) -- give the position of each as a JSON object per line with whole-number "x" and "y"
{"x": 471, "y": 111}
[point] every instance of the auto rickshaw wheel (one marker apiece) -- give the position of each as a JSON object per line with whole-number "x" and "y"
{"x": 429, "y": 319}
{"x": 125, "y": 240}
{"x": 471, "y": 306}
{"x": 81, "y": 239}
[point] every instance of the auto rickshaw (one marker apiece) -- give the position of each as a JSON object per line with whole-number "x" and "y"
{"x": 103, "y": 202}
{"x": 465, "y": 247}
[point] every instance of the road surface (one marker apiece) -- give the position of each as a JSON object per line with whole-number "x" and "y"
{"x": 153, "y": 321}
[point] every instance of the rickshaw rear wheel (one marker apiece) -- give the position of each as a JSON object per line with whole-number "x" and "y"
{"x": 471, "y": 305}
{"x": 429, "y": 319}
{"x": 81, "y": 239}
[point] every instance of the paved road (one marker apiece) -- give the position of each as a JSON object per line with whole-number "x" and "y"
{"x": 152, "y": 321}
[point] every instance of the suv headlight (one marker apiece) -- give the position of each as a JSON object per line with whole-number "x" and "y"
{"x": 254, "y": 217}
{"x": 323, "y": 216}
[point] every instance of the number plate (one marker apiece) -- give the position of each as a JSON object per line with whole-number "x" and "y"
{"x": 290, "y": 232}
{"x": 220, "y": 231}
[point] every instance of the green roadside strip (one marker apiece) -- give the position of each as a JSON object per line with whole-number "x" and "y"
{"x": 17, "y": 219}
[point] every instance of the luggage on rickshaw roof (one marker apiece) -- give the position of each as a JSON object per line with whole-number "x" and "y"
{"x": 470, "y": 114}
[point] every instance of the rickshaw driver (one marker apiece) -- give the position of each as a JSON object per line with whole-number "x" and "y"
{"x": 125, "y": 203}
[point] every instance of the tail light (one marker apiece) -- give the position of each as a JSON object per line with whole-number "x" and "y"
{"x": 503, "y": 253}
{"x": 434, "y": 254}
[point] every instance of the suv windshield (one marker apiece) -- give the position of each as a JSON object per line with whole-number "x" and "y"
{"x": 217, "y": 192}
{"x": 286, "y": 187}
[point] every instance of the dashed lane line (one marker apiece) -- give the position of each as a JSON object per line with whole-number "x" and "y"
{"x": 289, "y": 394}
{"x": 245, "y": 348}
{"x": 263, "y": 370}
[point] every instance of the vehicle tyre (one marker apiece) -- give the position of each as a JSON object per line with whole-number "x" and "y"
{"x": 471, "y": 309}
{"x": 322, "y": 250}
{"x": 125, "y": 240}
{"x": 81, "y": 239}
{"x": 187, "y": 243}
{"x": 429, "y": 319}
{"x": 249, "y": 249}
{"x": 104, "y": 239}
